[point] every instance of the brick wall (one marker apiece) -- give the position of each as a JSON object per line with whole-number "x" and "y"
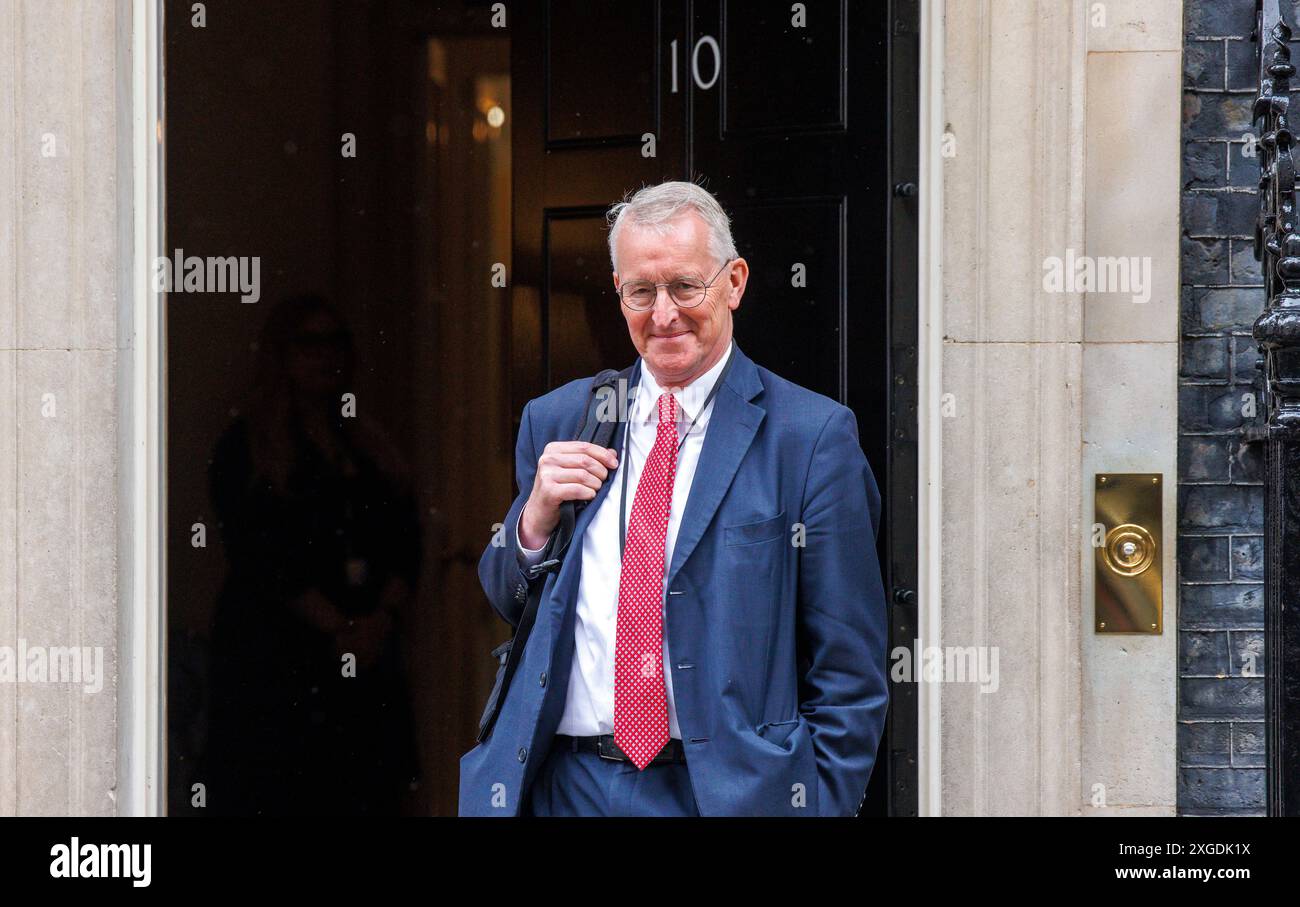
{"x": 1220, "y": 495}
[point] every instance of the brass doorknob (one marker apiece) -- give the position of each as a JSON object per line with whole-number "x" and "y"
{"x": 1129, "y": 549}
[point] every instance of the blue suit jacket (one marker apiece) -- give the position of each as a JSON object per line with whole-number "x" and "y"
{"x": 778, "y": 633}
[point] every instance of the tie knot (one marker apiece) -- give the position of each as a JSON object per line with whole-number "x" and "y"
{"x": 667, "y": 408}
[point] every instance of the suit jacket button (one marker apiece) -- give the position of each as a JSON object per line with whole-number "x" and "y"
{"x": 523, "y": 754}
{"x": 541, "y": 681}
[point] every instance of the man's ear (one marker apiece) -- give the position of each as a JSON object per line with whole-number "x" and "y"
{"x": 738, "y": 279}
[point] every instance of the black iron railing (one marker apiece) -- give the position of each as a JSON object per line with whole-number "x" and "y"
{"x": 1277, "y": 330}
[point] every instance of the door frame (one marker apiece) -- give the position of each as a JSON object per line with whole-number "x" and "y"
{"x": 142, "y": 429}
{"x": 929, "y": 446}
{"x": 142, "y": 641}
{"x": 914, "y": 272}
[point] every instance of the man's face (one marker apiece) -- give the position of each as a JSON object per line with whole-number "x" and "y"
{"x": 679, "y": 344}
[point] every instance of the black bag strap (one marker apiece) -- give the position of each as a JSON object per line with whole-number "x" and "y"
{"x": 596, "y": 428}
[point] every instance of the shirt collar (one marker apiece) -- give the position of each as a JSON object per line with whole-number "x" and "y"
{"x": 689, "y": 399}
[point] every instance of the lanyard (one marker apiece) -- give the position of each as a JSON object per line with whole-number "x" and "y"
{"x": 627, "y": 447}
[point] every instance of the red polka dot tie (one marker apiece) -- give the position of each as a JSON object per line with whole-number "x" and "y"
{"x": 640, "y": 702}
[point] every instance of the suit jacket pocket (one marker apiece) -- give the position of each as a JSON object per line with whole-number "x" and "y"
{"x": 788, "y": 763}
{"x": 778, "y": 732}
{"x": 759, "y": 531}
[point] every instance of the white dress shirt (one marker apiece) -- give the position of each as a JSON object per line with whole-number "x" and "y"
{"x": 589, "y": 704}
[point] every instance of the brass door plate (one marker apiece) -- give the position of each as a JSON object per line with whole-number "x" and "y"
{"x": 1129, "y": 541}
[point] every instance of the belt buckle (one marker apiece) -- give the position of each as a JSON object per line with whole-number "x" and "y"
{"x": 613, "y": 754}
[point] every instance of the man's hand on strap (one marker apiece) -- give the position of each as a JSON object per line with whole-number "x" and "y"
{"x": 566, "y": 471}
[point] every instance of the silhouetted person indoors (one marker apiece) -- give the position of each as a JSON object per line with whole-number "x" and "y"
{"x": 321, "y": 534}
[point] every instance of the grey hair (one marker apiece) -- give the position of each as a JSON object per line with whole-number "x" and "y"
{"x": 657, "y": 207}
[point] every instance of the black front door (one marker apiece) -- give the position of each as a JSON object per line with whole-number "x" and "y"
{"x": 781, "y": 110}
{"x": 422, "y": 186}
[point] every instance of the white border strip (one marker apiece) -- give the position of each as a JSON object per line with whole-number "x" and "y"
{"x": 929, "y": 389}
{"x": 142, "y": 653}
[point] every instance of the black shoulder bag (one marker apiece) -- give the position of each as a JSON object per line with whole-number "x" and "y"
{"x": 591, "y": 429}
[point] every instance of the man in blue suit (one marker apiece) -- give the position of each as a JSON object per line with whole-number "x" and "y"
{"x": 715, "y": 640}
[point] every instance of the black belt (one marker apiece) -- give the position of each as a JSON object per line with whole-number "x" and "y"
{"x": 605, "y": 747}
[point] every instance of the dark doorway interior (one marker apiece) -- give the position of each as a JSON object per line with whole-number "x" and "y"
{"x": 299, "y": 529}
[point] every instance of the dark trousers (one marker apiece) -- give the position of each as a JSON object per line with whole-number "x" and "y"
{"x": 583, "y": 784}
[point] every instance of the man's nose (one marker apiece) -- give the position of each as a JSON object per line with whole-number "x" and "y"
{"x": 665, "y": 309}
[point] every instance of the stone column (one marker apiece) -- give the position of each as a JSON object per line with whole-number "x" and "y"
{"x": 1050, "y": 157}
{"x": 59, "y": 352}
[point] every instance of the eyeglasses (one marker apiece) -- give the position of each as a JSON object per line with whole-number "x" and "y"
{"x": 687, "y": 292}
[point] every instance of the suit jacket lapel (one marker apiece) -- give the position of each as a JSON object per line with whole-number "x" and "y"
{"x": 731, "y": 429}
